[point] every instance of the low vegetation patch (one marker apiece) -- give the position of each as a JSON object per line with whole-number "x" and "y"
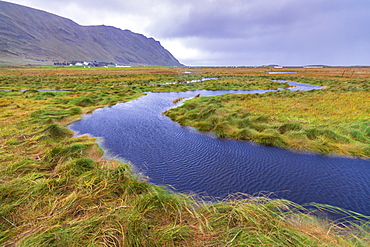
{"x": 332, "y": 120}
{"x": 221, "y": 82}
{"x": 57, "y": 190}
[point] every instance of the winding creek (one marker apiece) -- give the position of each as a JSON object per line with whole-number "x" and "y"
{"x": 191, "y": 161}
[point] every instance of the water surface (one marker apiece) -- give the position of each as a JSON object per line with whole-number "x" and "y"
{"x": 191, "y": 161}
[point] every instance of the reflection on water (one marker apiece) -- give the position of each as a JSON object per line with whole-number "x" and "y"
{"x": 191, "y": 161}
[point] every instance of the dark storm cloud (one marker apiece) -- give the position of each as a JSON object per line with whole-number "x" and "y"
{"x": 235, "y": 18}
{"x": 237, "y": 32}
{"x": 284, "y": 32}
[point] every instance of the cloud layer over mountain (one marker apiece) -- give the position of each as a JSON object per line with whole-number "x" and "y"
{"x": 236, "y": 32}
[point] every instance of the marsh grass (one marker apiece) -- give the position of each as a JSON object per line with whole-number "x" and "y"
{"x": 60, "y": 191}
{"x": 329, "y": 122}
{"x": 57, "y": 131}
{"x": 235, "y": 82}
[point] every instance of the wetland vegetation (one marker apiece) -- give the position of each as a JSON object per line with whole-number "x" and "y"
{"x": 335, "y": 119}
{"x": 59, "y": 190}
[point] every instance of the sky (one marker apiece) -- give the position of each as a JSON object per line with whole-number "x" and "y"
{"x": 236, "y": 32}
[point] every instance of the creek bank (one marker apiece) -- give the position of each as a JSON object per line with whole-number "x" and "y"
{"x": 191, "y": 161}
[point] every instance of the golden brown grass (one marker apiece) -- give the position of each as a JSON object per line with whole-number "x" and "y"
{"x": 59, "y": 191}
{"x": 331, "y": 120}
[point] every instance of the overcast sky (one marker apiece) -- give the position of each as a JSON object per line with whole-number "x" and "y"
{"x": 236, "y": 32}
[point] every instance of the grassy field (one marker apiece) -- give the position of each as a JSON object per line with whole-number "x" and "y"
{"x": 57, "y": 190}
{"x": 335, "y": 119}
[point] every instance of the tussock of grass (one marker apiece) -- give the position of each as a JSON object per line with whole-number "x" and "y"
{"x": 57, "y": 131}
{"x": 83, "y": 101}
{"x": 289, "y": 127}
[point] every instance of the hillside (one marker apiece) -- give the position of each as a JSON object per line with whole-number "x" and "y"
{"x": 31, "y": 36}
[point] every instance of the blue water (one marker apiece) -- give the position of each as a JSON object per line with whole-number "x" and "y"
{"x": 191, "y": 161}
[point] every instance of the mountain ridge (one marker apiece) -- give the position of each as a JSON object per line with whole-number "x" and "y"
{"x": 29, "y": 35}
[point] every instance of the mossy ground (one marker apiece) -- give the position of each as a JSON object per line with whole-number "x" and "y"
{"x": 57, "y": 190}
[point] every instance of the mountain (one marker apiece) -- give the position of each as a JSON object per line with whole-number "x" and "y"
{"x": 31, "y": 36}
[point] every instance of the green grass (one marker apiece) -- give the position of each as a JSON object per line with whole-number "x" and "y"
{"x": 325, "y": 121}
{"x": 235, "y": 82}
{"x": 59, "y": 191}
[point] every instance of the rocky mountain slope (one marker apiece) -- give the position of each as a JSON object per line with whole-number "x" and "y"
{"x": 31, "y": 36}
